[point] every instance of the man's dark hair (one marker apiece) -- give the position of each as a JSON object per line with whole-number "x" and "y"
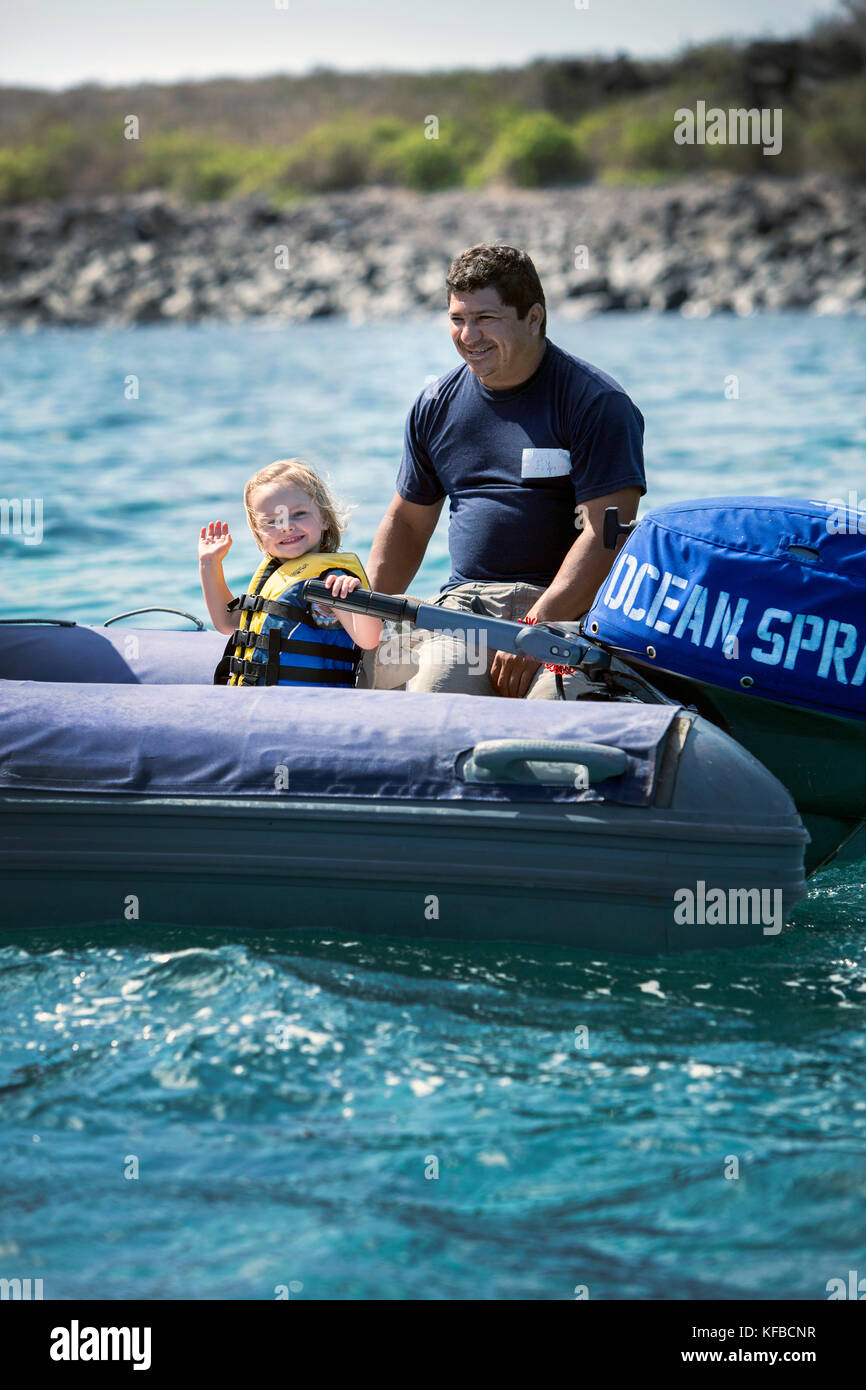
{"x": 509, "y": 271}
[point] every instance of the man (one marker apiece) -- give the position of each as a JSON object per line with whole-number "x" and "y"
{"x": 531, "y": 445}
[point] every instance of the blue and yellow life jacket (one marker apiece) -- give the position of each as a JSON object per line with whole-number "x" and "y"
{"x": 276, "y": 641}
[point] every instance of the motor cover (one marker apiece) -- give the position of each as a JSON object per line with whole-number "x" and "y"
{"x": 759, "y": 594}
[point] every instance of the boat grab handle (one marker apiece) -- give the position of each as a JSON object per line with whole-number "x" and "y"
{"x": 512, "y": 759}
{"x": 53, "y": 622}
{"x": 134, "y": 612}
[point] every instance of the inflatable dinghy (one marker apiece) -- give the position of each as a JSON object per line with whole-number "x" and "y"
{"x": 134, "y": 790}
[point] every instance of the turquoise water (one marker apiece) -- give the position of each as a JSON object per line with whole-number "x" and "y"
{"x": 282, "y": 1096}
{"x": 127, "y": 484}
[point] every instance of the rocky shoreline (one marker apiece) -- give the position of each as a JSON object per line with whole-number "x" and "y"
{"x": 696, "y": 247}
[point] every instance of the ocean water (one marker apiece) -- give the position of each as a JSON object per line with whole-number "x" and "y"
{"x": 207, "y": 1115}
{"x": 126, "y": 484}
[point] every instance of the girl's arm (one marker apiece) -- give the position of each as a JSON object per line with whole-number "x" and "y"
{"x": 363, "y": 629}
{"x": 214, "y": 544}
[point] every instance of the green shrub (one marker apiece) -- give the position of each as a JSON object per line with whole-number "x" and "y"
{"x": 22, "y": 175}
{"x": 634, "y": 140}
{"x": 186, "y": 164}
{"x": 416, "y": 162}
{"x": 635, "y": 136}
{"x": 216, "y": 174}
{"x": 385, "y": 131}
{"x": 535, "y": 151}
{"x": 260, "y": 171}
{"x": 836, "y": 139}
{"x": 330, "y": 157}
{"x": 44, "y": 170}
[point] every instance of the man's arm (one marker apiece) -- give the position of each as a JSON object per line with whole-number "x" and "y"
{"x": 587, "y": 564}
{"x": 400, "y": 543}
{"x": 572, "y": 589}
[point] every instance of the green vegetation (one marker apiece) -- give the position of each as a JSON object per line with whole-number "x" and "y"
{"x": 837, "y": 136}
{"x": 417, "y": 162}
{"x": 41, "y": 170}
{"x": 536, "y": 150}
{"x": 195, "y": 169}
{"x": 606, "y": 119}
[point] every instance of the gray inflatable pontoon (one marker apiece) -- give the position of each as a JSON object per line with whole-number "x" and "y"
{"x": 133, "y": 790}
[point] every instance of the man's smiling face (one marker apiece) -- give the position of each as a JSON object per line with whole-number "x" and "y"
{"x": 501, "y": 349}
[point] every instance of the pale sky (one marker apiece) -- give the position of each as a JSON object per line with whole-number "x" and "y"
{"x": 61, "y": 43}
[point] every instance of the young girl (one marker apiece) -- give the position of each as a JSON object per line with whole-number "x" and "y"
{"x": 277, "y": 637}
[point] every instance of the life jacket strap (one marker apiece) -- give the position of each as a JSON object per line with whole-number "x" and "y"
{"x": 254, "y": 603}
{"x": 262, "y": 641}
{"x": 259, "y": 673}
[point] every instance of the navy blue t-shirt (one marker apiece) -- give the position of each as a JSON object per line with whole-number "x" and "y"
{"x": 516, "y": 463}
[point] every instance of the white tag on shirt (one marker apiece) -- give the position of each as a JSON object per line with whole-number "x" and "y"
{"x": 545, "y": 463}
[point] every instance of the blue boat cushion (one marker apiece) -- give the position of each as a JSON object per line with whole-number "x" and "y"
{"x": 230, "y": 741}
{"x": 767, "y": 589}
{"x": 112, "y": 655}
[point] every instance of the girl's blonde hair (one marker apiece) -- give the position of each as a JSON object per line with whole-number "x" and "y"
{"x": 299, "y": 473}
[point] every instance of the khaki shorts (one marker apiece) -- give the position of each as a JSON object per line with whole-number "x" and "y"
{"x": 458, "y": 662}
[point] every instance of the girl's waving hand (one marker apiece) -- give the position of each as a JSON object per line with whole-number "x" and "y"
{"x": 215, "y": 541}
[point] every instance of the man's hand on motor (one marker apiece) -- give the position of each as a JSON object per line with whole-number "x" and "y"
{"x": 511, "y": 675}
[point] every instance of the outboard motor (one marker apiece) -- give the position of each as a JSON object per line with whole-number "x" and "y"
{"x": 753, "y": 610}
